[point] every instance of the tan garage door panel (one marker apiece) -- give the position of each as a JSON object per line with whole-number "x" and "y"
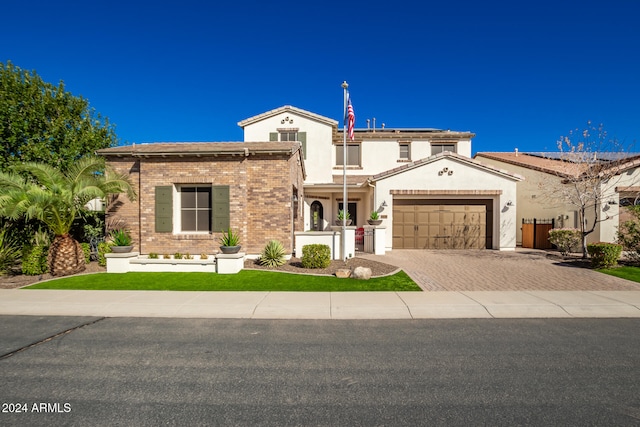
{"x": 439, "y": 227}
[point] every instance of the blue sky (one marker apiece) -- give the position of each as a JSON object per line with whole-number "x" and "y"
{"x": 518, "y": 74}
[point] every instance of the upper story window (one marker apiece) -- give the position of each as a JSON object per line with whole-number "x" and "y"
{"x": 195, "y": 209}
{"x": 439, "y": 148}
{"x": 353, "y": 155}
{"x": 405, "y": 151}
{"x": 290, "y": 135}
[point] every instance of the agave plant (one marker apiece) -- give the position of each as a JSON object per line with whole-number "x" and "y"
{"x": 121, "y": 237}
{"x": 40, "y": 191}
{"x": 229, "y": 238}
{"x": 273, "y": 254}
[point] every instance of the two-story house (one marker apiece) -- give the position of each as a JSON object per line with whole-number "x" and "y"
{"x": 423, "y": 182}
{"x": 287, "y": 177}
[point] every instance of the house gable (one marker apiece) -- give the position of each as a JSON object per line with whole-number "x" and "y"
{"x": 448, "y": 158}
{"x": 287, "y": 109}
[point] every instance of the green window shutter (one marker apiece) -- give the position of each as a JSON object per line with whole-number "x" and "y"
{"x": 302, "y": 137}
{"x": 220, "y": 208}
{"x": 164, "y": 209}
{"x": 273, "y": 136}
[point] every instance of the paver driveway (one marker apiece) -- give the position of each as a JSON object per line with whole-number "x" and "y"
{"x": 490, "y": 270}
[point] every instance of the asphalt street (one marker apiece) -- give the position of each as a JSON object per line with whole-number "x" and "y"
{"x": 163, "y": 371}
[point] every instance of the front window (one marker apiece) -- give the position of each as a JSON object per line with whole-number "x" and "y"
{"x": 439, "y": 148}
{"x": 195, "y": 209}
{"x": 353, "y": 155}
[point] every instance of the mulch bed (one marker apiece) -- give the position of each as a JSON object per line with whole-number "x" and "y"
{"x": 18, "y": 280}
{"x": 294, "y": 265}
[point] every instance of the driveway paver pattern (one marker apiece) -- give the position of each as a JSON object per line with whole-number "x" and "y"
{"x": 491, "y": 270}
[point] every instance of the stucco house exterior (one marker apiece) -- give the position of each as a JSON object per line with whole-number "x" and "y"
{"x": 545, "y": 173}
{"x": 188, "y": 193}
{"x": 423, "y": 182}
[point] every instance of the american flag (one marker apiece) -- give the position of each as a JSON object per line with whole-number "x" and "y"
{"x": 350, "y": 118}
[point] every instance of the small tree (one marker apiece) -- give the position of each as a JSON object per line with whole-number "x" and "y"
{"x": 55, "y": 198}
{"x": 591, "y": 165}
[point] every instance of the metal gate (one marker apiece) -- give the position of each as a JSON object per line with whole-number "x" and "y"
{"x": 535, "y": 233}
{"x": 364, "y": 240}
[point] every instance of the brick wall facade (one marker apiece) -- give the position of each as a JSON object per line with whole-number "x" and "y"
{"x": 261, "y": 188}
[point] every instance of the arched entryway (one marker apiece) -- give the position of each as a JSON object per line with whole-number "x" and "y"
{"x": 317, "y": 216}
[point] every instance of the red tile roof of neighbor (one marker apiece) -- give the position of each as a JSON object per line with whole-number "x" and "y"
{"x": 553, "y": 164}
{"x": 200, "y": 148}
{"x": 542, "y": 164}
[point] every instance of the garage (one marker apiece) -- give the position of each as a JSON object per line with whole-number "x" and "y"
{"x": 442, "y": 224}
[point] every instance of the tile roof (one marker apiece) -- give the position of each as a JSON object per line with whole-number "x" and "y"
{"x": 550, "y": 162}
{"x": 351, "y": 179}
{"x": 200, "y": 148}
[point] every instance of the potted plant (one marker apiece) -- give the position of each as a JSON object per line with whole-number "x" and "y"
{"x": 121, "y": 241}
{"x": 343, "y": 216}
{"x": 374, "y": 218}
{"x": 230, "y": 242}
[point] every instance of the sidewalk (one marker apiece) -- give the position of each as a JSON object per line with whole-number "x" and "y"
{"x": 323, "y": 305}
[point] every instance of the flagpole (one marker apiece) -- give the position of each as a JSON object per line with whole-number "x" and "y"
{"x": 345, "y": 204}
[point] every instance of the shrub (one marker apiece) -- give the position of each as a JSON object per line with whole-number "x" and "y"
{"x": 565, "y": 239}
{"x": 188, "y": 256}
{"x": 604, "y": 255}
{"x": 177, "y": 255}
{"x": 273, "y": 254}
{"x": 153, "y": 255}
{"x": 34, "y": 260}
{"x": 204, "y": 256}
{"x": 316, "y": 256}
{"x": 86, "y": 249}
{"x": 103, "y": 248}
{"x": 629, "y": 233}
{"x": 10, "y": 252}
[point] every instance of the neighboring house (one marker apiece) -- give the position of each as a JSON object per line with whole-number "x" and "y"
{"x": 430, "y": 193}
{"x": 544, "y": 173}
{"x": 189, "y": 192}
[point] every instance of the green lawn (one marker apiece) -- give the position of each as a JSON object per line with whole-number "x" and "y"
{"x": 245, "y": 280}
{"x": 629, "y": 273}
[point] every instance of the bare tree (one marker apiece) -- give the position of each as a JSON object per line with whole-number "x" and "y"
{"x": 592, "y": 166}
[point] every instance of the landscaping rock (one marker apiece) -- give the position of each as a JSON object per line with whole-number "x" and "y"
{"x": 361, "y": 273}
{"x": 343, "y": 273}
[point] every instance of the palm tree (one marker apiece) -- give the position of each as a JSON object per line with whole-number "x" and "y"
{"x": 38, "y": 190}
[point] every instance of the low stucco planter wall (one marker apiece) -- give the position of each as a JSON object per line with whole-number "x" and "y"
{"x": 132, "y": 261}
{"x": 146, "y": 264}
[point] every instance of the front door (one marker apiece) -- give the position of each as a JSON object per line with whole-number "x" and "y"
{"x": 317, "y": 216}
